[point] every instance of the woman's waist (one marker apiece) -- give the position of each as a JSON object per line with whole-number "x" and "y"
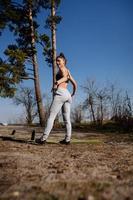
{"x": 63, "y": 85}
{"x": 62, "y": 90}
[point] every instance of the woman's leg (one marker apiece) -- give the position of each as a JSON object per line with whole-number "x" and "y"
{"x": 54, "y": 110}
{"x": 66, "y": 117}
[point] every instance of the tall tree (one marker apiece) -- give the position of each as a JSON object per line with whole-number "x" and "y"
{"x": 51, "y": 23}
{"x": 21, "y": 20}
{"x": 35, "y": 66}
{"x": 20, "y": 17}
{"x": 53, "y": 36}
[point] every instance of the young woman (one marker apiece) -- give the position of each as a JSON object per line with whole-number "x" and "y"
{"x": 62, "y": 100}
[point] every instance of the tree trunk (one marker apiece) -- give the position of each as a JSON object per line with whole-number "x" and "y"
{"x": 93, "y": 115}
{"x": 36, "y": 73}
{"x": 92, "y": 110}
{"x": 101, "y": 108}
{"x": 53, "y": 37}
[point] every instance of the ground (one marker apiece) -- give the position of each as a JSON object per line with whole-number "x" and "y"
{"x": 95, "y": 166}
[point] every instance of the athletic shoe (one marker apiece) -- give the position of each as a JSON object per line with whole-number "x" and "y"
{"x": 40, "y": 141}
{"x": 64, "y": 142}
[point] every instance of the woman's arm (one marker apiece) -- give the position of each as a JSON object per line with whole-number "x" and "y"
{"x": 74, "y": 84}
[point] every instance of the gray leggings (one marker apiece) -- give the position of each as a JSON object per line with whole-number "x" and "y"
{"x": 62, "y": 99}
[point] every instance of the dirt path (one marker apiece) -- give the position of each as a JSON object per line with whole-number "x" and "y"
{"x": 93, "y": 167}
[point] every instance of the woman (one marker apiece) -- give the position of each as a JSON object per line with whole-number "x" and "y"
{"x": 62, "y": 99}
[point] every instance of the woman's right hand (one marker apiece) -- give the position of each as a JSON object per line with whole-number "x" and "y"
{"x": 72, "y": 94}
{"x": 54, "y": 88}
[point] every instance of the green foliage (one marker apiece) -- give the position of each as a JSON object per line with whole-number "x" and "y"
{"x": 8, "y": 79}
{"x": 4, "y": 6}
{"x": 50, "y": 20}
{"x": 11, "y": 71}
{"x": 16, "y": 55}
{"x": 16, "y": 16}
{"x": 47, "y": 51}
{"x": 46, "y": 3}
{"x": 17, "y": 19}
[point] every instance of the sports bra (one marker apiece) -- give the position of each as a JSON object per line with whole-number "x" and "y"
{"x": 59, "y": 76}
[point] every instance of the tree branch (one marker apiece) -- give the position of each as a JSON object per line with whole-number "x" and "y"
{"x": 27, "y": 78}
{"x": 30, "y": 69}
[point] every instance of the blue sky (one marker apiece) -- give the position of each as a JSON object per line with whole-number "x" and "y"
{"x": 96, "y": 37}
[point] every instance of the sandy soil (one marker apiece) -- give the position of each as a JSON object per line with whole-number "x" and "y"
{"x": 94, "y": 167}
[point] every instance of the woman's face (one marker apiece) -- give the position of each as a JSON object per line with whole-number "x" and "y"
{"x": 60, "y": 62}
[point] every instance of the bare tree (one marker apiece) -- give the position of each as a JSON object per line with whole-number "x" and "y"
{"x": 108, "y": 103}
{"x": 90, "y": 89}
{"x": 96, "y": 101}
{"x": 77, "y": 114}
{"x": 102, "y": 97}
{"x": 115, "y": 101}
{"x": 127, "y": 106}
{"x": 120, "y": 108}
{"x": 25, "y": 97}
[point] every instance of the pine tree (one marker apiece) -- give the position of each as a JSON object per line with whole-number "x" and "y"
{"x": 51, "y": 23}
{"x": 21, "y": 21}
{"x": 20, "y": 18}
